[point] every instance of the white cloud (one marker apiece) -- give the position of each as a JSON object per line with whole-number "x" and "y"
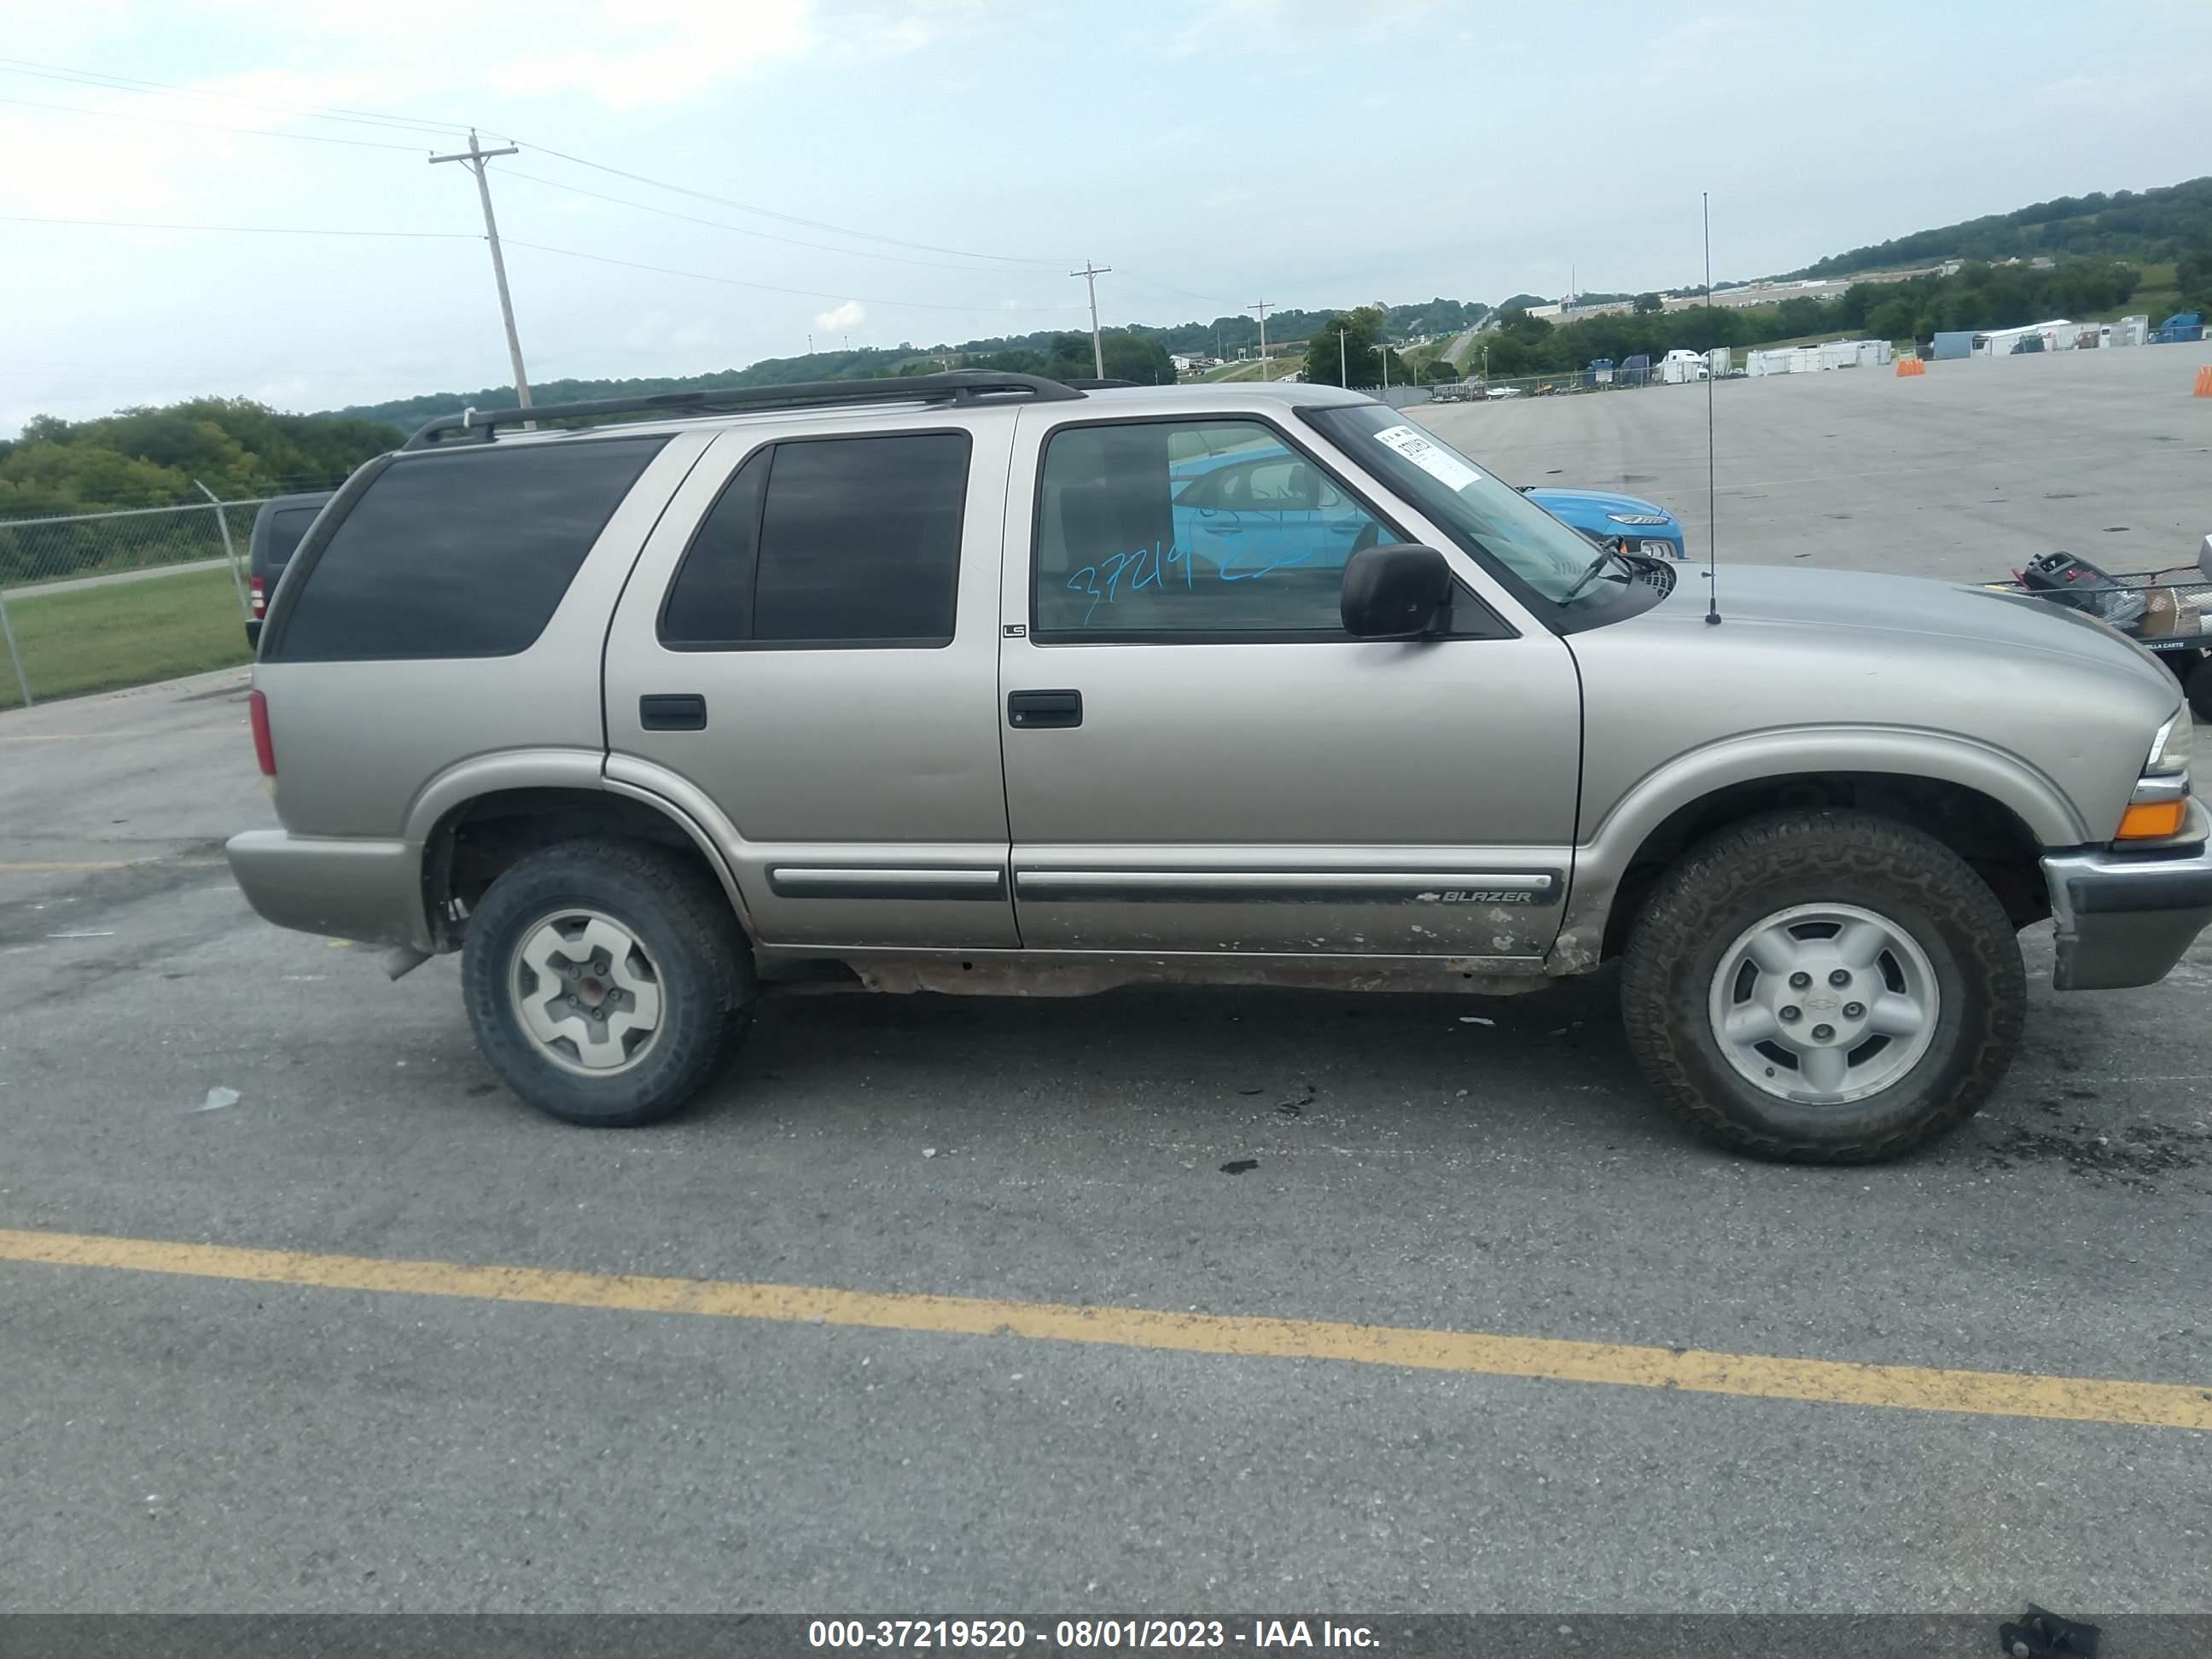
{"x": 851, "y": 314}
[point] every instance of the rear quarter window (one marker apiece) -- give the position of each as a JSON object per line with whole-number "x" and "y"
{"x": 286, "y": 526}
{"x": 463, "y": 555}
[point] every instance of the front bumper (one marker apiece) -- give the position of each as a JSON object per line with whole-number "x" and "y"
{"x": 370, "y": 890}
{"x": 2125, "y": 918}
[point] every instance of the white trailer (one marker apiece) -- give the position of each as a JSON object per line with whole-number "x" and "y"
{"x": 1776, "y": 362}
{"x": 1720, "y": 362}
{"x": 1678, "y": 368}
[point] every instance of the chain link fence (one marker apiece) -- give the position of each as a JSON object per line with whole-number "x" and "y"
{"x": 89, "y": 602}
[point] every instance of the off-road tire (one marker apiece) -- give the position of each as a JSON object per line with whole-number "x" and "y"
{"x": 683, "y": 921}
{"x": 1753, "y": 869}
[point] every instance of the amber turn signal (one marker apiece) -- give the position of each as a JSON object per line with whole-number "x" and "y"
{"x": 2152, "y": 820}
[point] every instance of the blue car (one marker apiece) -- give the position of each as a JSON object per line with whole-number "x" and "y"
{"x": 1239, "y": 516}
{"x": 1646, "y": 526}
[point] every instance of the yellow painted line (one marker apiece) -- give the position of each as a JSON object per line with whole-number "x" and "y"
{"x": 1840, "y": 1382}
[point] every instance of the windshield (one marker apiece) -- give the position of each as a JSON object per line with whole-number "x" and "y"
{"x": 1482, "y": 514}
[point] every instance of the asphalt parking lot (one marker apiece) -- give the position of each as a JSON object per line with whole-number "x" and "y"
{"x": 1393, "y": 1302}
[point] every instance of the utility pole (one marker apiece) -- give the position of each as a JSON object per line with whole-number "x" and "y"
{"x": 1262, "y": 307}
{"x": 476, "y": 158}
{"x": 1090, "y": 274}
{"x": 1343, "y": 363}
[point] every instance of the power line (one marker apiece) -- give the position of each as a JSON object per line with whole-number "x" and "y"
{"x": 246, "y": 230}
{"x": 724, "y": 224}
{"x": 132, "y": 83}
{"x": 770, "y": 288}
{"x": 538, "y": 247}
{"x": 1182, "y": 293}
{"x": 209, "y": 126}
{"x": 786, "y": 218}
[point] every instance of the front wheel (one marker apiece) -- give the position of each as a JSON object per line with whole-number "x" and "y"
{"x": 1823, "y": 986}
{"x": 607, "y": 980}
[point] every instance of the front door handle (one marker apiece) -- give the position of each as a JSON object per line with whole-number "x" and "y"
{"x": 675, "y": 711}
{"x": 1044, "y": 708}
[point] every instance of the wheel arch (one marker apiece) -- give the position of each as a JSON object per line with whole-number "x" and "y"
{"x": 1991, "y": 810}
{"x": 476, "y": 834}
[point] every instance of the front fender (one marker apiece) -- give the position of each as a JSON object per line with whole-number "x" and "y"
{"x": 1602, "y": 857}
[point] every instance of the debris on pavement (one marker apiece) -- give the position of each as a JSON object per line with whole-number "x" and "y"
{"x": 1239, "y": 1165}
{"x": 2044, "y": 1635}
{"x": 216, "y": 1099}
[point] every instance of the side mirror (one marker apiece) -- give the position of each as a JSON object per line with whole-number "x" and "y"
{"x": 1398, "y": 592}
{"x": 253, "y": 634}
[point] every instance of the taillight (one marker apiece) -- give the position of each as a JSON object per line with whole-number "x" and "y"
{"x": 256, "y": 598}
{"x": 264, "y": 748}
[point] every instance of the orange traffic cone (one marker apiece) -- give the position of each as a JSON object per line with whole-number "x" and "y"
{"x": 1910, "y": 365}
{"x": 2204, "y": 381}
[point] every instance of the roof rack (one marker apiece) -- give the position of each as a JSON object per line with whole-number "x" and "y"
{"x": 960, "y": 386}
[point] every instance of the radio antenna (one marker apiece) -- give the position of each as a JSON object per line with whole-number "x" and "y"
{"x": 1712, "y": 495}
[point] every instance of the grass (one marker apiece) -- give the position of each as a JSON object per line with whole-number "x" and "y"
{"x": 96, "y": 639}
{"x": 1254, "y": 368}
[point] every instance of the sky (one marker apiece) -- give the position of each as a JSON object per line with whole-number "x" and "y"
{"x": 930, "y": 171}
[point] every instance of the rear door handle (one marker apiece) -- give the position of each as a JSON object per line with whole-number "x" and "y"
{"x": 672, "y": 711}
{"x": 1030, "y": 709}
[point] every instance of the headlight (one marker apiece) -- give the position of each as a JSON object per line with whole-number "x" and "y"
{"x": 2158, "y": 809}
{"x": 2169, "y": 751}
{"x": 1637, "y": 518}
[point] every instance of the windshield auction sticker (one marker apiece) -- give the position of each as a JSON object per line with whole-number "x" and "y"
{"x": 1432, "y": 457}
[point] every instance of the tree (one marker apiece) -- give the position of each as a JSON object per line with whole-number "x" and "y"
{"x": 1440, "y": 368}
{"x": 1893, "y": 320}
{"x": 1648, "y": 305}
{"x": 2192, "y": 274}
{"x": 1353, "y": 362}
{"x": 150, "y": 457}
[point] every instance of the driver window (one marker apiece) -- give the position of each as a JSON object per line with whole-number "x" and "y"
{"x": 1185, "y": 527}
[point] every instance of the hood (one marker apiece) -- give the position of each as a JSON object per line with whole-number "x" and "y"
{"x": 1853, "y": 607}
{"x": 1592, "y": 501}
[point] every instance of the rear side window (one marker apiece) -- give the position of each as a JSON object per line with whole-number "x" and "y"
{"x": 286, "y": 525}
{"x": 460, "y": 555}
{"x": 828, "y": 542}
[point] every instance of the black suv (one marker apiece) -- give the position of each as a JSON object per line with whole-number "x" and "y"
{"x": 277, "y": 528}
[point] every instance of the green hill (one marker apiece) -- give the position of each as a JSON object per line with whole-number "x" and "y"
{"x": 2145, "y": 225}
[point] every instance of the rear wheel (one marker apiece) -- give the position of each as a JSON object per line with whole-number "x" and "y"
{"x": 1826, "y": 987}
{"x": 606, "y": 980}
